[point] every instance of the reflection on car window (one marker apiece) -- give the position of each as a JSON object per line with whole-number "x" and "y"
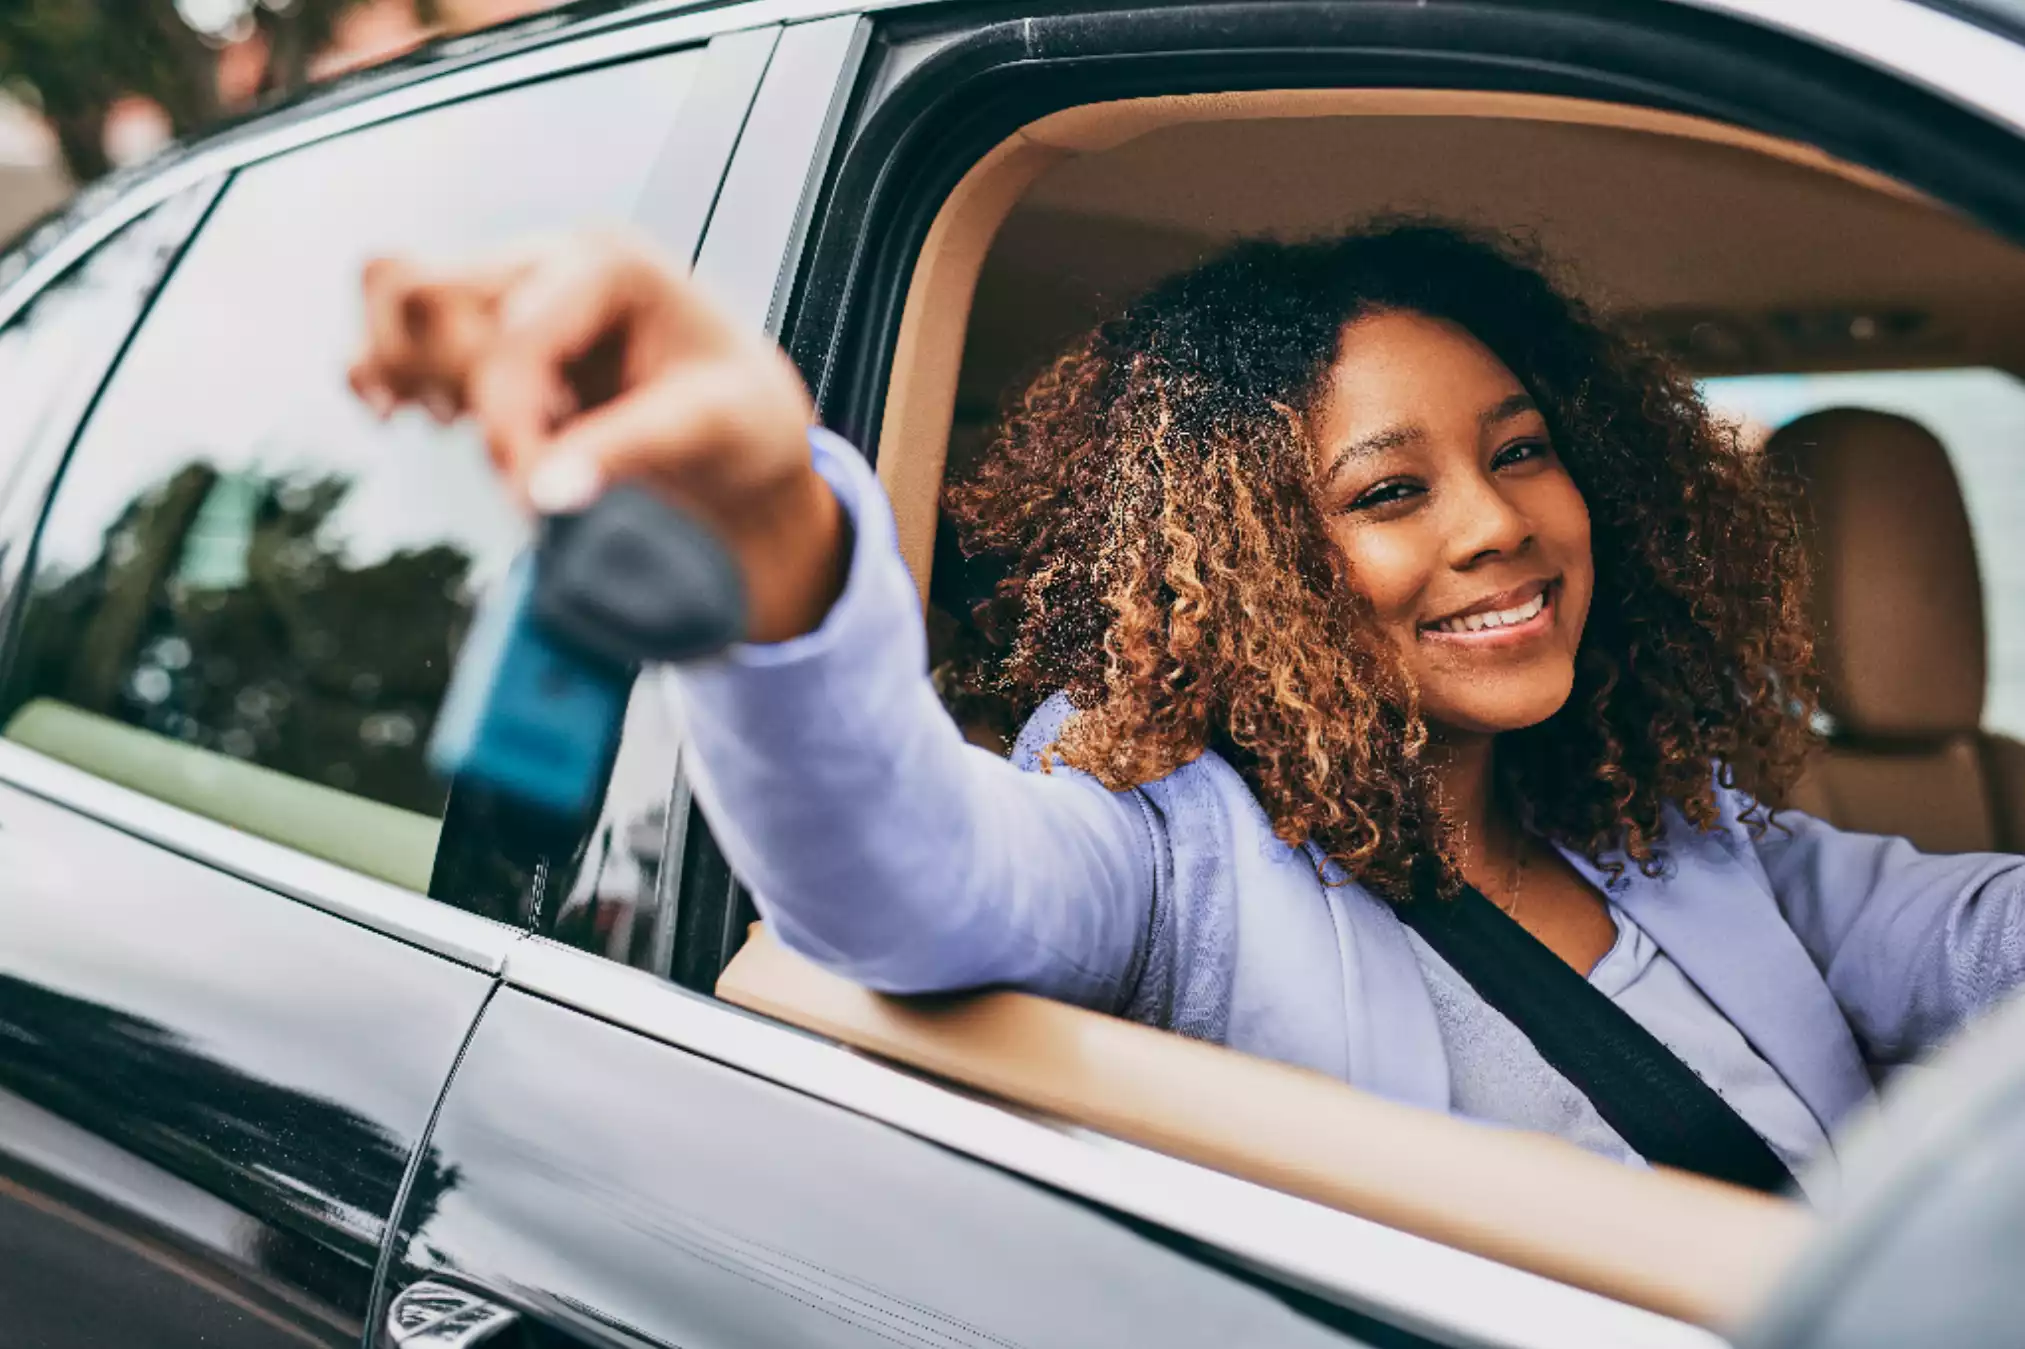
{"x": 56, "y": 348}
{"x": 1979, "y": 415}
{"x": 241, "y": 565}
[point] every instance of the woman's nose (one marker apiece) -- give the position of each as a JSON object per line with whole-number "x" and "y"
{"x": 1484, "y": 523}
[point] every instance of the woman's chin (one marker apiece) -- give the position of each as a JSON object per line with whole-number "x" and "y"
{"x": 1482, "y": 711}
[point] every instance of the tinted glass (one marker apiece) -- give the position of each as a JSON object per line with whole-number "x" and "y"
{"x": 1979, "y": 415}
{"x": 248, "y": 591}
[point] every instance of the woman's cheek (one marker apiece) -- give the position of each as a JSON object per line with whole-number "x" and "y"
{"x": 1388, "y": 568}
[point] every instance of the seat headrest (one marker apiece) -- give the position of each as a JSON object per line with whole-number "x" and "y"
{"x": 1898, "y": 600}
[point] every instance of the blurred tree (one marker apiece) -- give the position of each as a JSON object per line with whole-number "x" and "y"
{"x": 75, "y": 59}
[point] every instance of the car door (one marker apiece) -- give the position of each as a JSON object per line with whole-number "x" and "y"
{"x": 622, "y": 1175}
{"x": 246, "y": 933}
{"x": 637, "y": 1162}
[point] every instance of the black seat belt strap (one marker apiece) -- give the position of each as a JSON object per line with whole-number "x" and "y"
{"x": 1655, "y": 1102}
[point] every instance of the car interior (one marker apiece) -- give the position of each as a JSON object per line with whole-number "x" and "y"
{"x": 1740, "y": 253}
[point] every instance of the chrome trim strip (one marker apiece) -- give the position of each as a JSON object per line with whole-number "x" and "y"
{"x": 402, "y": 914}
{"x": 1438, "y": 1292}
{"x": 568, "y": 51}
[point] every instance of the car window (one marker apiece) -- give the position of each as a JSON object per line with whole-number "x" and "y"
{"x": 55, "y": 349}
{"x": 247, "y": 591}
{"x": 1979, "y": 415}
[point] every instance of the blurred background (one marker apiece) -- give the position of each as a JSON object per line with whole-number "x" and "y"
{"x": 87, "y": 86}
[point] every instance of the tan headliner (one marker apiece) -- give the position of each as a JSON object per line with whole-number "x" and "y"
{"x": 1664, "y": 217}
{"x": 1648, "y": 222}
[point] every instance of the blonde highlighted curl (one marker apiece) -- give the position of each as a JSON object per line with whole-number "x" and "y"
{"x": 1149, "y": 500}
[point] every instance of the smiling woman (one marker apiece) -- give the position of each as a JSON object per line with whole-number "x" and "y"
{"x": 1340, "y": 582}
{"x": 1332, "y": 452}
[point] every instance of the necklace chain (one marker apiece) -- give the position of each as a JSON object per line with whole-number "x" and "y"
{"x": 1517, "y": 882}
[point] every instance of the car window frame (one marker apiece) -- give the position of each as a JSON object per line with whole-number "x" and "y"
{"x": 25, "y": 483}
{"x": 734, "y": 56}
{"x": 1866, "y": 46}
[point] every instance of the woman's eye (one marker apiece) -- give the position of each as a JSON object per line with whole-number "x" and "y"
{"x": 1520, "y": 451}
{"x": 1385, "y": 494}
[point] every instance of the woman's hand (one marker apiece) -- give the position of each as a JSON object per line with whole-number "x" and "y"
{"x": 586, "y": 360}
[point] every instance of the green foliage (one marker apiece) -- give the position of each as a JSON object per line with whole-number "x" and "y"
{"x": 74, "y": 59}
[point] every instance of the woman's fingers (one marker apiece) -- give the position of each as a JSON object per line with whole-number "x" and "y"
{"x": 535, "y": 374}
{"x": 585, "y": 332}
{"x": 586, "y": 361}
{"x": 662, "y": 430}
{"x": 424, "y": 332}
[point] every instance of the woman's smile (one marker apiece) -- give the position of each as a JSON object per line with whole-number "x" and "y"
{"x": 1511, "y": 618}
{"x": 1444, "y": 492}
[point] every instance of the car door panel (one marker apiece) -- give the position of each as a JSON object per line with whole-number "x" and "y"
{"x": 675, "y": 1200}
{"x": 220, "y": 1043}
{"x": 208, "y": 1103}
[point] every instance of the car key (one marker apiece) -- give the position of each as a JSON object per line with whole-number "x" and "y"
{"x": 538, "y": 695}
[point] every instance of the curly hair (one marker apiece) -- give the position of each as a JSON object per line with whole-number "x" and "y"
{"x": 1151, "y": 498}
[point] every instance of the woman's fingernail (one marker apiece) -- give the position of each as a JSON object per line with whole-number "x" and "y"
{"x": 563, "y": 486}
{"x": 440, "y": 406}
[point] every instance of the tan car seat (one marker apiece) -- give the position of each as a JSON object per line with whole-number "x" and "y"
{"x": 1898, "y": 609}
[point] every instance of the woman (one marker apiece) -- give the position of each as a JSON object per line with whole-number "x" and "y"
{"x": 1343, "y": 576}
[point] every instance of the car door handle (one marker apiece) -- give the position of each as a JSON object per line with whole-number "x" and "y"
{"x": 433, "y": 1315}
{"x": 448, "y": 1311}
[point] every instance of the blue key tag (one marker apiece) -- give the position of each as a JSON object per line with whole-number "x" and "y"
{"x": 538, "y": 696}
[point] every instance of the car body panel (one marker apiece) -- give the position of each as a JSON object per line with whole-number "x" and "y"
{"x": 209, "y": 1095}
{"x": 704, "y": 1208}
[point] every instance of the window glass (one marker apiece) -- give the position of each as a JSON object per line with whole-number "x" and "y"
{"x": 248, "y": 590}
{"x": 1979, "y": 415}
{"x": 55, "y": 349}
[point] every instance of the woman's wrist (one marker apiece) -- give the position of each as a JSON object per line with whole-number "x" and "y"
{"x": 795, "y": 553}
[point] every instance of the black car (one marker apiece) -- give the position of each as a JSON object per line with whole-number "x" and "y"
{"x": 300, "y": 1045}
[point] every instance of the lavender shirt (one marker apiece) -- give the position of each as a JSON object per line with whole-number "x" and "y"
{"x": 880, "y": 844}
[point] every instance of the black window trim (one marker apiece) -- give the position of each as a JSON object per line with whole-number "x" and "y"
{"x": 908, "y": 148}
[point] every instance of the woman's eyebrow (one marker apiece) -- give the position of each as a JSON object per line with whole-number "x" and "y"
{"x": 1506, "y": 409}
{"x": 1391, "y": 438}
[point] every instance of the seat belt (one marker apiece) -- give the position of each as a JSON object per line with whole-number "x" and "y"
{"x": 1655, "y": 1102}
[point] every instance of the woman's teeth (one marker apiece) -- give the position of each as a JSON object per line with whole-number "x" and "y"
{"x": 1497, "y": 618}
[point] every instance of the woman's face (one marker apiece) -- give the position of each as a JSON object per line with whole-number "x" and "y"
{"x": 1461, "y": 526}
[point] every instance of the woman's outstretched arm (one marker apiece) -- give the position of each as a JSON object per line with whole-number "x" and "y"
{"x": 874, "y": 837}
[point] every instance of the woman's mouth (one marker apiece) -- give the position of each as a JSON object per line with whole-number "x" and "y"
{"x": 1519, "y": 619}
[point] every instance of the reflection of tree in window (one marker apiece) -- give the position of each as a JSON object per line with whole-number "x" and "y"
{"x": 221, "y": 610}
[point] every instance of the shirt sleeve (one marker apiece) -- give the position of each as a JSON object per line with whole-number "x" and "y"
{"x": 1913, "y": 945}
{"x": 874, "y": 838}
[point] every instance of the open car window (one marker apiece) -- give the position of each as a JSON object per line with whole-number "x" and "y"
{"x": 1051, "y": 228}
